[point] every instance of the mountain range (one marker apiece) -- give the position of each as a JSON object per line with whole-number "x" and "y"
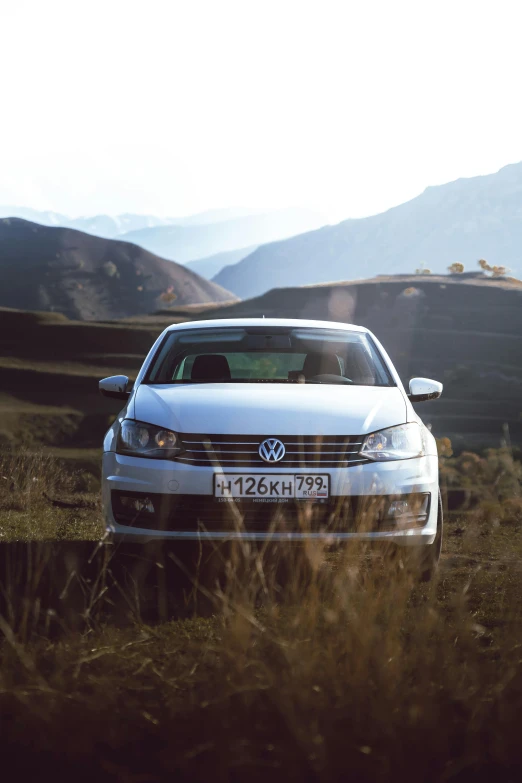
{"x": 462, "y": 221}
{"x": 210, "y": 266}
{"x": 111, "y": 226}
{"x": 244, "y": 251}
{"x": 235, "y": 230}
{"x": 184, "y": 243}
{"x": 88, "y": 277}
{"x": 106, "y": 226}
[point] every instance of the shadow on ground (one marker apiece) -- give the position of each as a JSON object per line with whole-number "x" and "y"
{"x": 72, "y": 583}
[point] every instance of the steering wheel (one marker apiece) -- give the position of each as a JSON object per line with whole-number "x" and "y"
{"x": 329, "y": 378}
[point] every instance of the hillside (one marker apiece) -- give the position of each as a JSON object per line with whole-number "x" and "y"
{"x": 465, "y": 331}
{"x": 49, "y": 372}
{"x": 89, "y": 278}
{"x": 461, "y": 221}
{"x": 194, "y": 241}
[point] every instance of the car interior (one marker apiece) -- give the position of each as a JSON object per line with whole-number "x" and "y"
{"x": 324, "y": 366}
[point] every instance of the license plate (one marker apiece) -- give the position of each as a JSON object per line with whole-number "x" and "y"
{"x": 270, "y": 486}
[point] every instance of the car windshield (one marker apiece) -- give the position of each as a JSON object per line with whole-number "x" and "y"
{"x": 268, "y": 355}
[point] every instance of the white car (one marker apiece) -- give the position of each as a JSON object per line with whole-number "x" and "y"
{"x": 271, "y": 429}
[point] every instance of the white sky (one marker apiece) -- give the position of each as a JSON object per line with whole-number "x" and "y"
{"x": 174, "y": 107}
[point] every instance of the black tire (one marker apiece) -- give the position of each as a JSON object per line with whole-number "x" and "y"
{"x": 430, "y": 555}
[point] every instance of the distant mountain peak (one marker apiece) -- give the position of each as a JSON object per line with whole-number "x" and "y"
{"x": 195, "y": 241}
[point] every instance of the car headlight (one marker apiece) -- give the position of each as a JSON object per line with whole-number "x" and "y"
{"x": 146, "y": 440}
{"x": 402, "y": 442}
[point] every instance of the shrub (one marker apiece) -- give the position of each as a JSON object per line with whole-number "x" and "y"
{"x": 495, "y": 271}
{"x": 456, "y": 268}
{"x": 110, "y": 269}
{"x": 168, "y": 296}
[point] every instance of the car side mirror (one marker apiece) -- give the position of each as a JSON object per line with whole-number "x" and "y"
{"x": 422, "y": 389}
{"x": 115, "y": 387}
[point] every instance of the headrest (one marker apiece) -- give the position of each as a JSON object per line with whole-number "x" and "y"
{"x": 210, "y": 367}
{"x": 321, "y": 364}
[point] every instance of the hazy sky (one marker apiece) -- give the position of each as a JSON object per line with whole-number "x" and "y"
{"x": 176, "y": 107}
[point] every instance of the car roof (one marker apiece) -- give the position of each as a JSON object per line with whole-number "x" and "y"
{"x": 291, "y": 322}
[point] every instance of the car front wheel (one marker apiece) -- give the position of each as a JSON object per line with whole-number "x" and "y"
{"x": 424, "y": 561}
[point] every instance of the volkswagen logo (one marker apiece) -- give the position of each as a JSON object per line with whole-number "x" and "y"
{"x": 272, "y": 450}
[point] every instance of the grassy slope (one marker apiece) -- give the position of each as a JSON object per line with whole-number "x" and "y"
{"x": 49, "y": 372}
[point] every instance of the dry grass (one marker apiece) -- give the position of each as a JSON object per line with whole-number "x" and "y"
{"x": 41, "y": 500}
{"x": 308, "y": 666}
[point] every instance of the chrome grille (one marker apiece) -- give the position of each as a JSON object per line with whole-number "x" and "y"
{"x": 242, "y": 451}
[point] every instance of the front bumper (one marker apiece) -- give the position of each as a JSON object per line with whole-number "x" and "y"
{"x": 173, "y": 484}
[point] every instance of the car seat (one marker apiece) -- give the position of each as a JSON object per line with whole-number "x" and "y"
{"x": 317, "y": 363}
{"x": 210, "y": 367}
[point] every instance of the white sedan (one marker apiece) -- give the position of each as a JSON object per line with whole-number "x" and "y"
{"x": 271, "y": 429}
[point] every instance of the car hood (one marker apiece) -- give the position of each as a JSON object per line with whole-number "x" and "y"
{"x": 270, "y": 409}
